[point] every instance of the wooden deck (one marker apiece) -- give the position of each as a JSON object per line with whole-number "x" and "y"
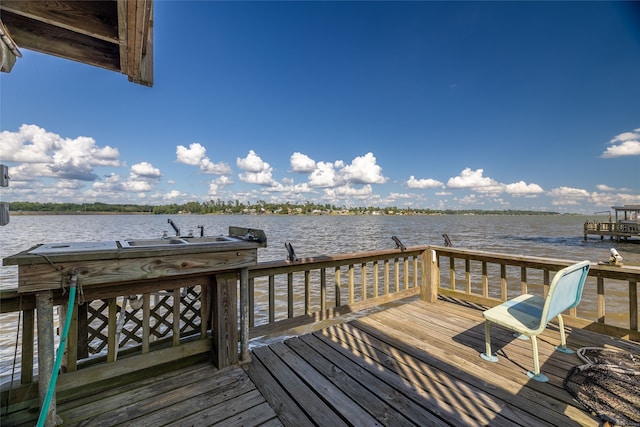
{"x": 409, "y": 363}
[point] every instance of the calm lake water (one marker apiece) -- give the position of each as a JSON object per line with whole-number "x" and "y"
{"x": 543, "y": 236}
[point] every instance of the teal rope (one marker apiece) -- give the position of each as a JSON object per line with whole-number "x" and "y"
{"x": 63, "y": 341}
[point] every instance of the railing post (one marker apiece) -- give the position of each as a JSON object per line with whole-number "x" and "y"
{"x": 430, "y": 276}
{"x": 224, "y": 325}
{"x": 44, "y": 306}
{"x": 244, "y": 315}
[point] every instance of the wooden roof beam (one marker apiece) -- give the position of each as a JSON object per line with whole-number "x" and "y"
{"x": 113, "y": 34}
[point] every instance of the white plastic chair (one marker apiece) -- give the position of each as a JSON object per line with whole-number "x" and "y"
{"x": 528, "y": 315}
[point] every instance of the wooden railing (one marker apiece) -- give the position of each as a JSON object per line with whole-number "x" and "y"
{"x": 490, "y": 278}
{"x": 285, "y": 294}
{"x": 117, "y": 330}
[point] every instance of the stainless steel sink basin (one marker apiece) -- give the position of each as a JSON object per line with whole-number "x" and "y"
{"x": 209, "y": 239}
{"x": 141, "y": 243}
{"x": 186, "y": 241}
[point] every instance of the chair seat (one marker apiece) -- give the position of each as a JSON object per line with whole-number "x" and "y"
{"x": 521, "y": 314}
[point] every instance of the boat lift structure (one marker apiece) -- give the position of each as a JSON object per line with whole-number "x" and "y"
{"x": 626, "y": 225}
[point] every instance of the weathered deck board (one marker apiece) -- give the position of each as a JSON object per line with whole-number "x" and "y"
{"x": 411, "y": 363}
{"x": 196, "y": 396}
{"x": 419, "y": 364}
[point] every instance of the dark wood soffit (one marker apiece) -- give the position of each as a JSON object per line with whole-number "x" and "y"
{"x": 113, "y": 34}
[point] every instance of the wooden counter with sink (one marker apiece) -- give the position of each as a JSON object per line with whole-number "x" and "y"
{"x": 105, "y": 271}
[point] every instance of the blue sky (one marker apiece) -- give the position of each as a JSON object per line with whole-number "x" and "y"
{"x": 442, "y": 105}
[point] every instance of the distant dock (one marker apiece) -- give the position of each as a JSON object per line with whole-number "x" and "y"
{"x": 625, "y": 225}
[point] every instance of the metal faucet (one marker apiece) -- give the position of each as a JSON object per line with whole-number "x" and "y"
{"x": 175, "y": 227}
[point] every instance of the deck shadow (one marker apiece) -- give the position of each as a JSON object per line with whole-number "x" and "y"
{"x": 403, "y": 366}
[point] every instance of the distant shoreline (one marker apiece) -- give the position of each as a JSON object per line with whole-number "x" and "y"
{"x": 463, "y": 213}
{"x": 19, "y": 213}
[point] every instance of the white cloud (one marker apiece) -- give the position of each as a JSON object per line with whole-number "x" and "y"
{"x": 302, "y": 163}
{"x": 348, "y": 191}
{"x": 222, "y": 168}
{"x": 142, "y": 177}
{"x": 364, "y": 170}
{"x": 218, "y": 184}
{"x": 423, "y": 183}
{"x": 145, "y": 170}
{"x": 625, "y": 144}
{"x": 522, "y": 188}
{"x": 195, "y": 155}
{"x": 568, "y": 196}
{"x": 324, "y": 175}
{"x": 604, "y": 187}
{"x": 31, "y": 144}
{"x": 173, "y": 194}
{"x": 471, "y": 179}
{"x": 252, "y": 163}
{"x": 192, "y": 155}
{"x": 50, "y": 155}
{"x": 256, "y": 170}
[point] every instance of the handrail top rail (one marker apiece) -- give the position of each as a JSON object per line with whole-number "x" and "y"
{"x": 533, "y": 261}
{"x": 362, "y": 256}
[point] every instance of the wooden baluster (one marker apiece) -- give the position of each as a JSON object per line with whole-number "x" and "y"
{"x": 337, "y": 280}
{"x": 485, "y": 280}
{"x": 351, "y": 284}
{"x": 386, "y": 276}
{"x": 176, "y": 317}
{"x": 289, "y": 295}
{"x": 396, "y": 270}
{"x": 523, "y": 280}
{"x": 27, "y": 350}
{"x": 467, "y": 275}
{"x": 547, "y": 281}
{"x": 272, "y": 298}
{"x": 204, "y": 310}
{"x": 376, "y": 278}
{"x": 364, "y": 281}
{"x": 146, "y": 322}
{"x": 503, "y": 282}
{"x": 633, "y": 305}
{"x": 307, "y": 292}
{"x": 405, "y": 261}
{"x": 452, "y": 273}
{"x": 600, "y": 300}
{"x": 323, "y": 289}
{"x": 111, "y": 334}
{"x": 252, "y": 303}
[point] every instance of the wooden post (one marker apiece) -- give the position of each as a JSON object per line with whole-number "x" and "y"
{"x": 46, "y": 351}
{"x": 430, "y": 276}
{"x": 224, "y": 327}
{"x": 244, "y": 315}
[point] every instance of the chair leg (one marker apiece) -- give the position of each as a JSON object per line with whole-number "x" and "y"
{"x": 563, "y": 340}
{"x": 536, "y": 375}
{"x": 487, "y": 340}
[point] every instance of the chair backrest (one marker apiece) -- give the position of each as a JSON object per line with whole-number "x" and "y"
{"x": 565, "y": 291}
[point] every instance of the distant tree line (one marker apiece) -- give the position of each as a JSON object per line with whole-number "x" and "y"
{"x": 261, "y": 207}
